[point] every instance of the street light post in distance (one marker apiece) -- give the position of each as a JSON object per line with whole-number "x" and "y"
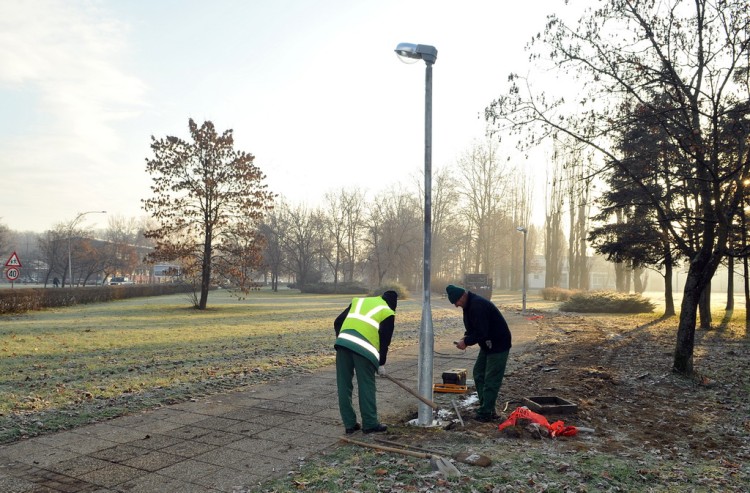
{"x": 410, "y": 51}
{"x": 70, "y": 234}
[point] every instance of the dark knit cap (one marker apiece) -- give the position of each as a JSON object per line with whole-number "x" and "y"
{"x": 454, "y": 293}
{"x": 391, "y": 297}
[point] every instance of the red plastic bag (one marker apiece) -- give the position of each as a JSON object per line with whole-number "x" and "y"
{"x": 557, "y": 428}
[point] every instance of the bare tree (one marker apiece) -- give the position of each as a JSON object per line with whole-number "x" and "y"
{"x": 274, "y": 229}
{"x": 553, "y": 234}
{"x": 343, "y": 224}
{"x": 302, "y": 246}
{"x": 394, "y": 236}
{"x": 621, "y": 53}
{"x": 483, "y": 184}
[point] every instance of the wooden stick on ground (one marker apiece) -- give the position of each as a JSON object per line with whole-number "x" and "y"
{"x": 444, "y": 466}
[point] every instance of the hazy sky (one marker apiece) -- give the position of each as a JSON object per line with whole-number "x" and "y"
{"x": 312, "y": 88}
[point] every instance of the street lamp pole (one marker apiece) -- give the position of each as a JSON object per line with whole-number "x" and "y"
{"x": 426, "y": 334}
{"x": 70, "y": 234}
{"x": 524, "y": 231}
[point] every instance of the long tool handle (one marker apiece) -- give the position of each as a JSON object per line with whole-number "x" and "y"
{"x": 423, "y": 399}
{"x": 412, "y": 453}
{"x": 407, "y": 446}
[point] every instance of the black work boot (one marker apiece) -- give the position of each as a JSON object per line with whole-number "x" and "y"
{"x": 354, "y": 428}
{"x": 378, "y": 429}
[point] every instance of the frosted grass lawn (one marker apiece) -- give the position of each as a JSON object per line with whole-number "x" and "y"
{"x": 64, "y": 367}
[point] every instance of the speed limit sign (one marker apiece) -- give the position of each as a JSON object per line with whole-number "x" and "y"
{"x": 12, "y": 273}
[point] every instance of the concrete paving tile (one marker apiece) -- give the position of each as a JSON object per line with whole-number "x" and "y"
{"x": 118, "y": 434}
{"x": 294, "y": 453}
{"x": 254, "y": 445}
{"x": 156, "y": 483}
{"x": 307, "y": 426}
{"x": 184, "y": 417}
{"x": 332, "y": 414}
{"x": 262, "y": 465}
{"x": 223, "y": 456}
{"x": 37, "y": 454}
{"x": 232, "y": 397}
{"x": 78, "y": 466}
{"x": 156, "y": 441}
{"x": 273, "y": 418}
{"x": 153, "y": 461}
{"x": 248, "y": 399}
{"x": 304, "y": 409}
{"x": 112, "y": 475}
{"x": 216, "y": 437}
{"x": 188, "y": 448}
{"x": 232, "y": 482}
{"x": 132, "y": 420}
{"x": 158, "y": 426}
{"x": 246, "y": 428}
{"x": 216, "y": 423}
{"x": 9, "y": 484}
{"x": 244, "y": 414}
{"x": 119, "y": 453}
{"x": 213, "y": 407}
{"x": 328, "y": 402}
{"x": 88, "y": 444}
{"x": 282, "y": 435}
{"x": 275, "y": 405}
{"x": 58, "y": 439}
{"x": 269, "y": 393}
{"x": 66, "y": 486}
{"x": 189, "y": 470}
{"x": 189, "y": 432}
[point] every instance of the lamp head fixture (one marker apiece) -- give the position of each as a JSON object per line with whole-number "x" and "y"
{"x": 521, "y": 229}
{"x": 410, "y": 51}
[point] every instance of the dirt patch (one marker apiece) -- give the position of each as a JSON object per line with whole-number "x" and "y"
{"x": 653, "y": 429}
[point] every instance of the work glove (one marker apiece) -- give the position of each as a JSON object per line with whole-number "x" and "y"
{"x": 381, "y": 371}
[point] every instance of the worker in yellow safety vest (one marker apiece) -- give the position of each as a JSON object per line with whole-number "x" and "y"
{"x": 363, "y": 334}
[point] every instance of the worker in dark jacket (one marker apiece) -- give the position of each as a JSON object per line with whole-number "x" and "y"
{"x": 363, "y": 334}
{"x": 485, "y": 326}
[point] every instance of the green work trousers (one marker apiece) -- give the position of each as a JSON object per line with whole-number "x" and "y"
{"x": 347, "y": 363}
{"x": 489, "y": 370}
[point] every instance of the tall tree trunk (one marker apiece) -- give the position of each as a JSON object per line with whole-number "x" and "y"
{"x": 683, "y": 351}
{"x": 704, "y": 308}
{"x": 638, "y": 284}
{"x": 621, "y": 272}
{"x": 730, "y": 284}
{"x": 701, "y": 270}
{"x": 206, "y": 268}
{"x": 669, "y": 310}
{"x": 746, "y": 273}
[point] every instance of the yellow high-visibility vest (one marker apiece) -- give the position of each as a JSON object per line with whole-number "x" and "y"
{"x": 359, "y": 332}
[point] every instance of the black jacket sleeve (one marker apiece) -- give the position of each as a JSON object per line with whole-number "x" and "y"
{"x": 386, "y": 334}
{"x": 340, "y": 320}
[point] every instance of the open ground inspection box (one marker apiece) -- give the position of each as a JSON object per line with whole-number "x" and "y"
{"x": 454, "y": 381}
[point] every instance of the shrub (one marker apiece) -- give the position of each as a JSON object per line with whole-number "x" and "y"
{"x": 330, "y": 288}
{"x": 400, "y": 289}
{"x": 607, "y": 302}
{"x": 439, "y": 285}
{"x": 556, "y": 294}
{"x": 23, "y": 300}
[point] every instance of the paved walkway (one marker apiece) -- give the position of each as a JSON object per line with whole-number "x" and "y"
{"x": 224, "y": 443}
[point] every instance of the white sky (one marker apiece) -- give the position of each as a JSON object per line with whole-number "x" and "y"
{"x": 313, "y": 89}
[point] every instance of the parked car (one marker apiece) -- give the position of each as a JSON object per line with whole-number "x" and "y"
{"x": 119, "y": 281}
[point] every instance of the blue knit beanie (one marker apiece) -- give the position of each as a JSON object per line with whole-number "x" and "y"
{"x": 454, "y": 293}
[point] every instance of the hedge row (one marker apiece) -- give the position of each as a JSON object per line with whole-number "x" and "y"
{"x": 607, "y": 302}
{"x": 27, "y": 299}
